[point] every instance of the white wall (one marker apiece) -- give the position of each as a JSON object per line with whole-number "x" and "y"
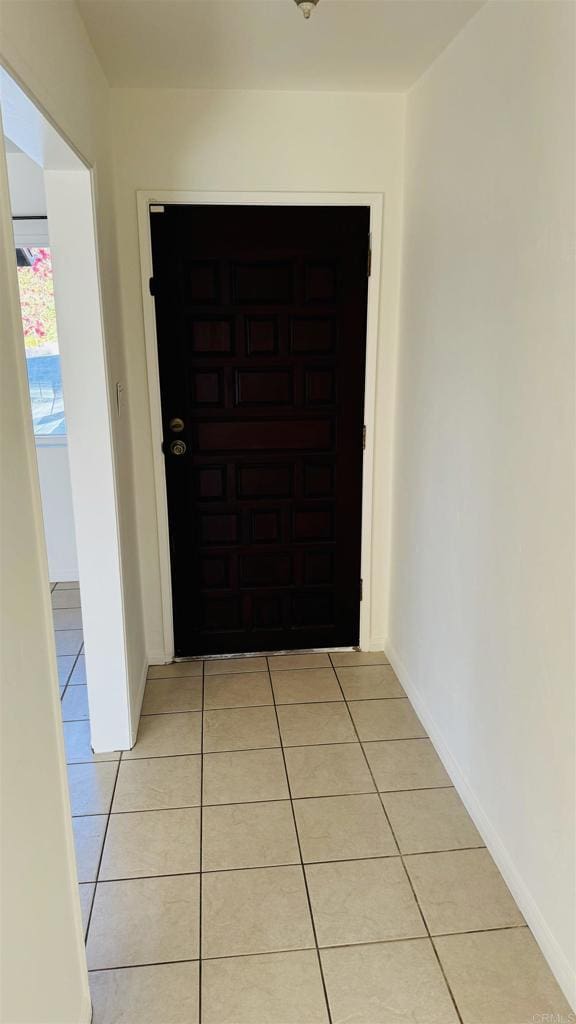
{"x": 44, "y": 44}
{"x": 58, "y": 515}
{"x": 26, "y": 184}
{"x": 233, "y": 141}
{"x": 27, "y": 198}
{"x": 482, "y": 598}
{"x": 44, "y": 975}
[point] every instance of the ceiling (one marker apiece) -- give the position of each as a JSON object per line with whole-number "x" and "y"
{"x": 348, "y": 45}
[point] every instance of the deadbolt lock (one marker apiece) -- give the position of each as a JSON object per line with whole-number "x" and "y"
{"x": 178, "y": 447}
{"x": 176, "y": 425}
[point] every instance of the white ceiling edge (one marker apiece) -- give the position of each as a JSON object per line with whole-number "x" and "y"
{"x": 451, "y": 42}
{"x": 359, "y": 46}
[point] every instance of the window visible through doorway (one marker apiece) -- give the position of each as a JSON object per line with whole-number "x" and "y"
{"x": 41, "y": 341}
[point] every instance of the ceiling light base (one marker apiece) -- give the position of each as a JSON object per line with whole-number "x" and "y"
{"x": 306, "y": 6}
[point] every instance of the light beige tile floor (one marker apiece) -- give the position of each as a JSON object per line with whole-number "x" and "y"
{"x": 180, "y": 693}
{"x": 78, "y": 675}
{"x": 144, "y": 921}
{"x": 240, "y": 729}
{"x": 248, "y": 835}
{"x": 86, "y": 896}
{"x": 167, "y": 734}
{"x": 157, "y": 994}
{"x": 405, "y": 764}
{"x": 277, "y": 988}
{"x": 387, "y": 983}
{"x": 157, "y": 783}
{"x": 69, "y": 640}
{"x": 385, "y": 719}
{"x": 363, "y": 901}
{"x": 329, "y": 873}
{"x": 367, "y": 682}
{"x": 91, "y": 787}
{"x": 237, "y": 690}
{"x": 140, "y": 844}
{"x": 258, "y": 910}
{"x": 67, "y": 618}
{"x": 501, "y": 976}
{"x": 311, "y": 724}
{"x": 89, "y": 831}
{"x": 75, "y": 704}
{"x": 428, "y": 820}
{"x": 300, "y": 686}
{"x": 343, "y": 828}
{"x": 461, "y": 891}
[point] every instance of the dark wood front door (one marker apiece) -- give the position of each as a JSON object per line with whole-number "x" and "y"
{"x": 261, "y": 322}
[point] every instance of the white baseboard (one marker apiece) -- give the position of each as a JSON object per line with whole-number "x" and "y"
{"x": 564, "y": 971}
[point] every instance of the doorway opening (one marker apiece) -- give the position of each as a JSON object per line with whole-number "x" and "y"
{"x": 33, "y": 255}
{"x": 56, "y": 246}
{"x": 261, "y": 322}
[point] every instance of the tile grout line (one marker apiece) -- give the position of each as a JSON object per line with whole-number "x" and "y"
{"x": 265, "y": 704}
{"x": 251, "y": 671}
{"x": 307, "y": 949}
{"x": 69, "y": 676}
{"x": 295, "y": 746}
{"x": 302, "y": 868}
{"x": 97, "y": 879}
{"x": 289, "y": 746}
{"x": 290, "y": 864}
{"x": 424, "y": 921}
{"x": 277, "y": 800}
{"x": 281, "y": 800}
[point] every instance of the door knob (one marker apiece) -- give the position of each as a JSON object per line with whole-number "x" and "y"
{"x": 176, "y": 425}
{"x": 178, "y": 447}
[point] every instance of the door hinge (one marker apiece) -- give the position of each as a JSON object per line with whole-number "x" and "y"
{"x": 361, "y": 589}
{"x": 156, "y": 208}
{"x": 151, "y": 286}
{"x": 369, "y": 260}
{"x": 364, "y": 437}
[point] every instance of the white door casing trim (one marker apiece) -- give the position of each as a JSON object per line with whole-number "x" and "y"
{"x": 375, "y": 202}
{"x": 69, "y": 181}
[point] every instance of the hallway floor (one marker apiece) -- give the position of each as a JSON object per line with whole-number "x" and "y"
{"x": 67, "y": 617}
{"x": 287, "y": 821}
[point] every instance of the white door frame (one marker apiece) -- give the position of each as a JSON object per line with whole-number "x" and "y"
{"x": 70, "y": 198}
{"x": 93, "y": 473}
{"x": 375, "y": 202}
